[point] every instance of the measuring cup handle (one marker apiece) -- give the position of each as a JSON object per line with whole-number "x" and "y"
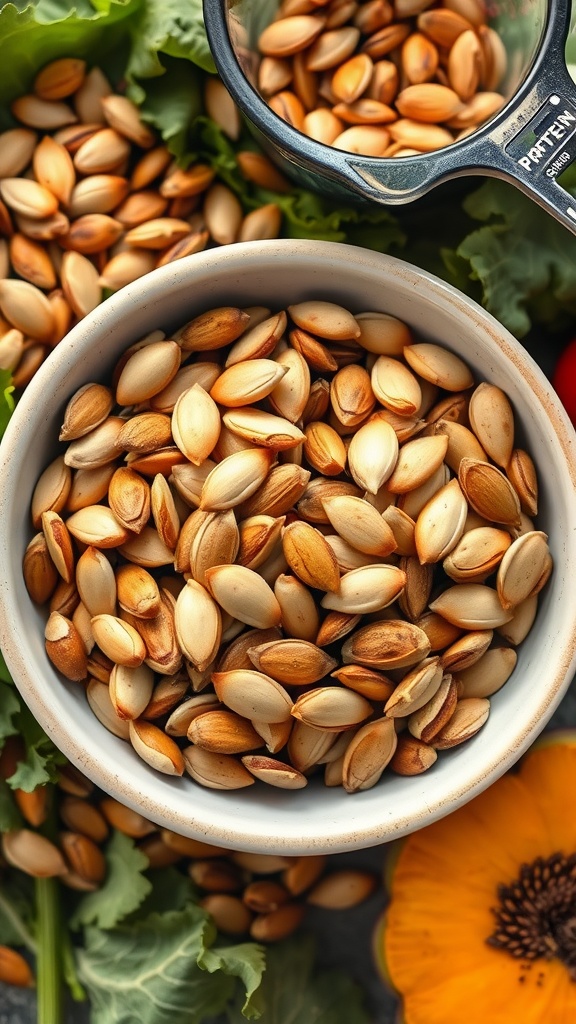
{"x": 535, "y": 158}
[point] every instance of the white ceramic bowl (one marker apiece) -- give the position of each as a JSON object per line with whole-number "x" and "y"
{"x": 316, "y": 819}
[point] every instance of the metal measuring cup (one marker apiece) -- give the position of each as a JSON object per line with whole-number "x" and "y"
{"x": 530, "y": 142}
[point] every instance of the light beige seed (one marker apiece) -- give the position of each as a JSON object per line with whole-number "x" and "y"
{"x": 247, "y": 382}
{"x": 27, "y": 309}
{"x": 310, "y": 557}
{"x": 198, "y": 624}
{"x": 390, "y": 644}
{"x": 80, "y": 283}
{"x": 33, "y": 854}
{"x": 196, "y": 424}
{"x": 147, "y": 372}
{"x": 244, "y": 595}
{"x": 129, "y": 499}
{"x": 415, "y": 689}
{"x": 331, "y": 707}
{"x": 97, "y": 447}
{"x": 65, "y": 648}
{"x": 59, "y": 544}
{"x": 489, "y": 492}
{"x": 423, "y": 137}
{"x": 289, "y": 35}
{"x": 223, "y": 732}
{"x": 428, "y": 102}
{"x": 300, "y": 619}
{"x": 419, "y": 59}
{"x": 147, "y": 549}
{"x": 479, "y": 109}
{"x": 216, "y": 542}
{"x": 40, "y": 575}
{"x": 51, "y": 491}
{"x": 293, "y": 662}
{"x": 517, "y": 629}
{"x": 365, "y": 758}
{"x": 439, "y": 366}
{"x": 465, "y": 64}
{"x": 259, "y": 341}
{"x": 139, "y": 207}
{"x": 258, "y": 536}
{"x": 96, "y": 582}
{"x": 138, "y": 591}
{"x": 45, "y": 115}
{"x": 118, "y": 640}
{"x": 96, "y": 524}
{"x": 383, "y": 334}
{"x": 489, "y": 674}
{"x": 325, "y": 319}
{"x": 97, "y": 194}
{"x": 156, "y": 748}
{"x": 235, "y": 479}
{"x": 351, "y": 78}
{"x": 366, "y": 589}
{"x": 521, "y": 568}
{"x": 412, "y": 756}
{"x": 17, "y": 146}
{"x": 494, "y": 58}
{"x": 89, "y": 486}
{"x": 54, "y": 170}
{"x": 372, "y": 454}
{"x": 477, "y": 554}
{"x": 324, "y": 449}
{"x": 492, "y": 420}
{"x": 157, "y": 233}
{"x": 395, "y": 386}
{"x": 332, "y": 48}
{"x": 124, "y": 116}
{"x": 466, "y": 651}
{"x": 351, "y": 395}
{"x": 417, "y": 461}
{"x": 469, "y": 716}
{"x": 203, "y": 373}
{"x": 441, "y": 523}
{"x": 86, "y": 410}
{"x": 253, "y": 695}
{"x": 359, "y": 523}
{"x": 87, "y": 99}
{"x": 471, "y": 606}
{"x": 275, "y": 773}
{"x": 102, "y": 152}
{"x": 368, "y": 140}
{"x": 216, "y": 771}
{"x": 307, "y": 746}
{"x": 214, "y": 329}
{"x": 262, "y": 428}
{"x": 290, "y": 395}
{"x": 131, "y": 690}
{"x": 274, "y": 74}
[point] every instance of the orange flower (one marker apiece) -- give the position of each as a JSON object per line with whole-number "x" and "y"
{"x": 481, "y": 928}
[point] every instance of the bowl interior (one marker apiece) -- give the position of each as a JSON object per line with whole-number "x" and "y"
{"x": 276, "y": 274}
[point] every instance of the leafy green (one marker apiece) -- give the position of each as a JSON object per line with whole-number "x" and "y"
{"x": 170, "y": 890}
{"x": 9, "y": 709}
{"x": 247, "y": 962}
{"x": 147, "y": 972}
{"x": 41, "y": 32}
{"x": 294, "y": 990}
{"x": 6, "y": 399}
{"x": 171, "y": 27}
{"x": 10, "y": 816}
{"x": 17, "y": 910}
{"x": 123, "y": 891}
{"x": 172, "y": 104}
{"x": 519, "y": 255}
{"x": 42, "y": 759}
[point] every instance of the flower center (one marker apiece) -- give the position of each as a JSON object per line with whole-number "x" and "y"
{"x": 536, "y": 915}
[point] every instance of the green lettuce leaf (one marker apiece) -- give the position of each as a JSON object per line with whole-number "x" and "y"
{"x": 10, "y": 817}
{"x": 38, "y": 33}
{"x": 147, "y": 972}
{"x": 6, "y": 399}
{"x": 172, "y": 27}
{"x": 9, "y": 710}
{"x": 519, "y": 255}
{"x": 17, "y": 910}
{"x": 295, "y": 991}
{"x": 123, "y": 890}
{"x": 42, "y": 759}
{"x": 247, "y": 962}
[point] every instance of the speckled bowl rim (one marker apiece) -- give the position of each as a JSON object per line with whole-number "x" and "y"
{"x": 331, "y": 835}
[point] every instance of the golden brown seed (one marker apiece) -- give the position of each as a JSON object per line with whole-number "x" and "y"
{"x": 223, "y": 732}
{"x": 310, "y": 557}
{"x": 412, "y": 756}
{"x": 156, "y": 748}
{"x": 289, "y": 35}
{"x": 32, "y": 853}
{"x": 343, "y": 889}
{"x": 64, "y": 647}
{"x": 54, "y": 169}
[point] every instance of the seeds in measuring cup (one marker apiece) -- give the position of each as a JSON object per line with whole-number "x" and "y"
{"x": 379, "y": 80}
{"x": 299, "y": 544}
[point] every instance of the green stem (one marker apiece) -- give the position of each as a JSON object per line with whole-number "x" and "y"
{"x": 69, "y": 968}
{"x": 49, "y": 958}
{"x": 12, "y": 915}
